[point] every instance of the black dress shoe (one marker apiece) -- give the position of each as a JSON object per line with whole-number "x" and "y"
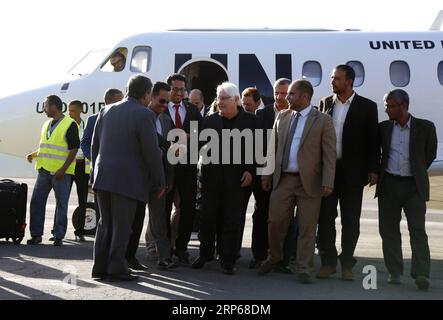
{"x": 422, "y": 283}
{"x": 183, "y": 257}
{"x": 58, "y": 242}
{"x": 199, "y": 263}
{"x": 394, "y": 279}
{"x": 99, "y": 275}
{"x": 122, "y": 277}
{"x": 135, "y": 265}
{"x": 254, "y": 264}
{"x": 283, "y": 269}
{"x": 304, "y": 278}
{"x": 34, "y": 240}
{"x": 167, "y": 264}
{"x": 80, "y": 238}
{"x": 228, "y": 269}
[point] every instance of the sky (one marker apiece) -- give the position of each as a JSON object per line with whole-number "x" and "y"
{"x": 41, "y": 40}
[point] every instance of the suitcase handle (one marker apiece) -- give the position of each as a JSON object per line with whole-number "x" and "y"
{"x": 7, "y": 180}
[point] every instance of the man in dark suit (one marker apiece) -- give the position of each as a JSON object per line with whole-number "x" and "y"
{"x": 159, "y": 221}
{"x": 182, "y": 114}
{"x": 355, "y": 122}
{"x": 409, "y": 145}
{"x": 259, "y": 245}
{"x": 223, "y": 184}
{"x": 127, "y": 168}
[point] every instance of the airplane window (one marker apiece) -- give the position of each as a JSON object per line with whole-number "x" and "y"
{"x": 116, "y": 62}
{"x": 440, "y": 72}
{"x": 141, "y": 59}
{"x": 312, "y": 72}
{"x": 399, "y": 73}
{"x": 359, "y": 72}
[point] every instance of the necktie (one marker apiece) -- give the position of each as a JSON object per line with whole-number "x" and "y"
{"x": 178, "y": 121}
{"x": 287, "y": 149}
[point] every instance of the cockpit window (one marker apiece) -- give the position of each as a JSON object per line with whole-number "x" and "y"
{"x": 141, "y": 59}
{"x": 88, "y": 63}
{"x": 116, "y": 61}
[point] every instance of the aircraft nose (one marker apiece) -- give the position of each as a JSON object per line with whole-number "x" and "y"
{"x": 20, "y": 123}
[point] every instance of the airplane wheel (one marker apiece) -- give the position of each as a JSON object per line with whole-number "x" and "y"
{"x": 91, "y": 219}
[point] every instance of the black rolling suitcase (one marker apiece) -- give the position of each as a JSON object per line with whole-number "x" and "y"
{"x": 13, "y": 196}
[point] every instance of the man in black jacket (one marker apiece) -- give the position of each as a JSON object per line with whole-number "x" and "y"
{"x": 259, "y": 244}
{"x": 355, "y": 121}
{"x": 409, "y": 145}
{"x": 223, "y": 184}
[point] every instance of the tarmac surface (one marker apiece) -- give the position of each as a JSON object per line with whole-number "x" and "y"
{"x": 59, "y": 273}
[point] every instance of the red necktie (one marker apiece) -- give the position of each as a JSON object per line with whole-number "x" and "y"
{"x": 178, "y": 121}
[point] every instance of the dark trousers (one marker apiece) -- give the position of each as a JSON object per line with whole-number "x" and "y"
{"x": 397, "y": 193}
{"x": 259, "y": 244}
{"x": 113, "y": 233}
{"x": 186, "y": 183}
{"x": 350, "y": 198}
{"x": 137, "y": 227}
{"x": 81, "y": 180}
{"x": 96, "y": 207}
{"x": 168, "y": 209}
{"x": 221, "y": 206}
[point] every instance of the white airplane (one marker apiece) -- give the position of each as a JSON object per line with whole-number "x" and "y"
{"x": 382, "y": 61}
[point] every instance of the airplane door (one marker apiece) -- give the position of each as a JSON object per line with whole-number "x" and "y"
{"x": 206, "y": 76}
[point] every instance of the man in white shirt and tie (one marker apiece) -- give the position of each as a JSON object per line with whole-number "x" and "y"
{"x": 182, "y": 114}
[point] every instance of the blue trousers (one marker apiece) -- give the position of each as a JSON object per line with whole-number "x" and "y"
{"x": 44, "y": 184}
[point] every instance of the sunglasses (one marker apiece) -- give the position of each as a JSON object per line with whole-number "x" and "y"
{"x": 163, "y": 101}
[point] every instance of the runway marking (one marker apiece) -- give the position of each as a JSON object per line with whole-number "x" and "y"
{"x": 15, "y": 292}
{"x": 165, "y": 290}
{"x": 177, "y": 286}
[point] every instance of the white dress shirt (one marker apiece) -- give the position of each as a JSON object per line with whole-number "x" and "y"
{"x": 202, "y": 111}
{"x": 81, "y": 129}
{"x": 398, "y": 160}
{"x": 158, "y": 125}
{"x": 339, "y": 117}
{"x": 295, "y": 144}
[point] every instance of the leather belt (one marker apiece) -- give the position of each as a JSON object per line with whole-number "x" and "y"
{"x": 295, "y": 174}
{"x": 398, "y": 176}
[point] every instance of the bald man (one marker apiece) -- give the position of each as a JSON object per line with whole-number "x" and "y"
{"x": 196, "y": 98}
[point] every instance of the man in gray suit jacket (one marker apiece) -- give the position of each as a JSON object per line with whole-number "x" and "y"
{"x": 127, "y": 168}
{"x": 409, "y": 145}
{"x": 158, "y": 233}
